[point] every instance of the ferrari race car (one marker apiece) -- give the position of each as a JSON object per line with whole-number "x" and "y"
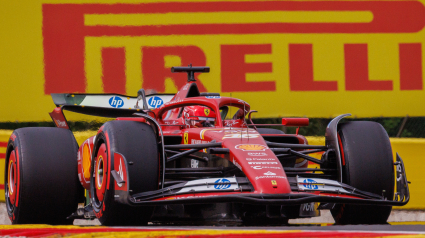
{"x": 196, "y": 158}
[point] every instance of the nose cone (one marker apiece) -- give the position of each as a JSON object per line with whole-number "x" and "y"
{"x": 250, "y": 153}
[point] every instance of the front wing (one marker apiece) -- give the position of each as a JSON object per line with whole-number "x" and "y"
{"x": 237, "y": 190}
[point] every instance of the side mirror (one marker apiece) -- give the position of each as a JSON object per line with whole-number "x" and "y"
{"x": 295, "y": 121}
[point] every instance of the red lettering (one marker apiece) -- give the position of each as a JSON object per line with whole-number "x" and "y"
{"x": 357, "y": 70}
{"x": 64, "y": 30}
{"x": 63, "y": 41}
{"x": 234, "y": 68}
{"x": 113, "y": 69}
{"x": 301, "y": 70}
{"x": 154, "y": 70}
{"x": 411, "y": 66}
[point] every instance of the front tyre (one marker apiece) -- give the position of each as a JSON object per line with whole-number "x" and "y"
{"x": 138, "y": 144}
{"x": 367, "y": 165}
{"x": 41, "y": 182}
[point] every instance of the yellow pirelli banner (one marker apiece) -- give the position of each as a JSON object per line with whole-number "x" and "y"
{"x": 286, "y": 58}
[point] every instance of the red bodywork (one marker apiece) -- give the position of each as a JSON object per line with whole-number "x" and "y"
{"x": 248, "y": 150}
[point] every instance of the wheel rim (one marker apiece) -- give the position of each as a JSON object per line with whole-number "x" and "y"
{"x": 11, "y": 179}
{"x": 100, "y": 173}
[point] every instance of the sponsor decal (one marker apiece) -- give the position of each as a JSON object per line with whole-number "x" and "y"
{"x": 120, "y": 173}
{"x": 269, "y": 177}
{"x": 251, "y": 147}
{"x": 226, "y": 131}
{"x": 207, "y": 111}
{"x": 257, "y": 154}
{"x": 399, "y": 172}
{"x": 274, "y": 183}
{"x": 222, "y": 184}
{"x": 186, "y": 138}
{"x": 190, "y": 196}
{"x": 262, "y": 162}
{"x": 308, "y": 207}
{"x": 116, "y": 102}
{"x": 212, "y": 97}
{"x": 264, "y": 167}
{"x": 240, "y": 136}
{"x": 239, "y": 131}
{"x": 60, "y": 123}
{"x": 236, "y": 164}
{"x": 230, "y": 123}
{"x": 172, "y": 102}
{"x": 260, "y": 159}
{"x": 155, "y": 102}
{"x": 194, "y": 163}
{"x": 310, "y": 184}
{"x": 269, "y": 173}
{"x": 193, "y": 141}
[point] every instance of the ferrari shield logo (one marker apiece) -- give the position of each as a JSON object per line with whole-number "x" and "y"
{"x": 206, "y": 111}
{"x": 186, "y": 138}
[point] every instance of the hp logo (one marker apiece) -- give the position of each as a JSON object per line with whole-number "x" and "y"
{"x": 222, "y": 184}
{"x": 155, "y": 102}
{"x": 310, "y": 184}
{"x": 116, "y": 102}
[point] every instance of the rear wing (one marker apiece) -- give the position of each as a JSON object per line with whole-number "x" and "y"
{"x": 107, "y": 105}
{"x": 116, "y": 105}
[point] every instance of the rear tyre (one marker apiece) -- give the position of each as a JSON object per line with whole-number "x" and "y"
{"x": 366, "y": 151}
{"x": 137, "y": 143}
{"x": 41, "y": 182}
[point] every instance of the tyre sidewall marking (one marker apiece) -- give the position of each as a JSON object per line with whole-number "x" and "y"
{"x": 97, "y": 205}
{"x": 108, "y": 146}
{"x": 12, "y": 209}
{"x": 12, "y": 178}
{"x": 99, "y": 210}
{"x": 100, "y": 158}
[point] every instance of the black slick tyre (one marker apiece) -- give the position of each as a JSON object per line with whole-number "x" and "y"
{"x": 367, "y": 165}
{"x": 41, "y": 181}
{"x": 137, "y": 142}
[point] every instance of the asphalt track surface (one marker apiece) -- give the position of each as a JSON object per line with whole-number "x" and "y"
{"x": 399, "y": 226}
{"x": 311, "y": 230}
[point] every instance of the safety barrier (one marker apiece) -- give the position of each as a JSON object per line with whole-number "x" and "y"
{"x": 410, "y": 150}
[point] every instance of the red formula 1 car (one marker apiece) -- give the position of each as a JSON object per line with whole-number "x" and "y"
{"x": 196, "y": 158}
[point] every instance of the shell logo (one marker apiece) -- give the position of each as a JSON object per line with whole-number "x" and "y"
{"x": 251, "y": 147}
{"x": 86, "y": 161}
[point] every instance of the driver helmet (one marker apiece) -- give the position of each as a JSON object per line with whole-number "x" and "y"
{"x": 199, "y": 116}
